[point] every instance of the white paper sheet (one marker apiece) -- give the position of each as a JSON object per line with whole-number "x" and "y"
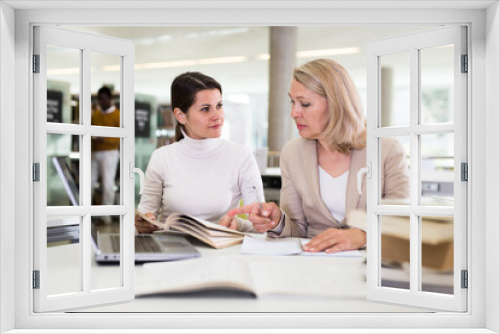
{"x": 285, "y": 246}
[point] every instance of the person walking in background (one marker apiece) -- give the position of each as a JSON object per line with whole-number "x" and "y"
{"x": 105, "y": 150}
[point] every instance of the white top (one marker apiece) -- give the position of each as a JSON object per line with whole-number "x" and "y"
{"x": 204, "y": 178}
{"x": 333, "y": 190}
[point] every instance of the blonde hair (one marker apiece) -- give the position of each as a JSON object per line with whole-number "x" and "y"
{"x": 346, "y": 123}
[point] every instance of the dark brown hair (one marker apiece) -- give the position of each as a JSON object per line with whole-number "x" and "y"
{"x": 105, "y": 90}
{"x": 183, "y": 92}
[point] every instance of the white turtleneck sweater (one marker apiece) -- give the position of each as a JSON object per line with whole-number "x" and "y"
{"x": 204, "y": 178}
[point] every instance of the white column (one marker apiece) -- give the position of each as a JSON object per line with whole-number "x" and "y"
{"x": 387, "y": 76}
{"x": 283, "y": 49}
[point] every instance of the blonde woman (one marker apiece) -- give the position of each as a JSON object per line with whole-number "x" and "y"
{"x": 319, "y": 169}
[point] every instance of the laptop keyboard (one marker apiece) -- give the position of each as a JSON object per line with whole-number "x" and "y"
{"x": 143, "y": 244}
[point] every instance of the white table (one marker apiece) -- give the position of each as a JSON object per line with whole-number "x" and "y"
{"x": 222, "y": 301}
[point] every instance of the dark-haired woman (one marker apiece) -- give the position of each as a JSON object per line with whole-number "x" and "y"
{"x": 200, "y": 174}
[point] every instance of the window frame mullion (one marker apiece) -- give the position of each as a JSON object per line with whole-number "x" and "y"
{"x": 85, "y": 168}
{"x": 415, "y": 175}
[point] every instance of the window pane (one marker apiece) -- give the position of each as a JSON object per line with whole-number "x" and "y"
{"x": 437, "y": 254}
{"x": 437, "y": 84}
{"x": 395, "y": 89}
{"x": 63, "y": 255}
{"x": 105, "y": 173}
{"x": 63, "y": 84}
{"x": 395, "y": 170}
{"x": 437, "y": 169}
{"x": 105, "y": 88}
{"x": 63, "y": 170}
{"x": 107, "y": 240}
{"x": 395, "y": 252}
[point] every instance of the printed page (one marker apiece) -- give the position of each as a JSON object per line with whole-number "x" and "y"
{"x": 216, "y": 242}
{"x": 285, "y": 246}
{"x": 349, "y": 253}
{"x": 158, "y": 223}
{"x": 270, "y": 246}
{"x": 204, "y": 229}
{"x": 306, "y": 278}
{"x": 193, "y": 275}
{"x": 182, "y": 218}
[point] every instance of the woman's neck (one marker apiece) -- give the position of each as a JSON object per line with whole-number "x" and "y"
{"x": 324, "y": 149}
{"x": 333, "y": 161}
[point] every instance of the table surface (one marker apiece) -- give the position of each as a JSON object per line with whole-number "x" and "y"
{"x": 61, "y": 265}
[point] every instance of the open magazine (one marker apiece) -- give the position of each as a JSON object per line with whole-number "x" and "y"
{"x": 212, "y": 234}
{"x": 259, "y": 277}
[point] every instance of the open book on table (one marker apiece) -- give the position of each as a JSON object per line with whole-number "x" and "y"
{"x": 210, "y": 233}
{"x": 257, "y": 277}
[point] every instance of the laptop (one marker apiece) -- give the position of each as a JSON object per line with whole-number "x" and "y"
{"x": 62, "y": 168}
{"x": 148, "y": 247}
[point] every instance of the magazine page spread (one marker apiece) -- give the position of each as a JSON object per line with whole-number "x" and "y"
{"x": 194, "y": 275}
{"x": 309, "y": 278}
{"x": 258, "y": 276}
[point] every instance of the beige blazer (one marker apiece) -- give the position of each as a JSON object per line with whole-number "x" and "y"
{"x": 306, "y": 215}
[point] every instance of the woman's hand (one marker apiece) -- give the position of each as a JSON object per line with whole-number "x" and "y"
{"x": 335, "y": 240}
{"x": 264, "y": 219}
{"x": 144, "y": 226}
{"x": 229, "y": 222}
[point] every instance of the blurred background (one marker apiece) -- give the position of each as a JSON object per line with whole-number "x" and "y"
{"x": 254, "y": 65}
{"x": 239, "y": 58}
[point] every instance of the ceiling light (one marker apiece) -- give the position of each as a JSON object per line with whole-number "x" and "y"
{"x": 151, "y": 66}
{"x": 318, "y": 53}
{"x": 152, "y": 40}
{"x": 110, "y": 68}
{"x": 222, "y": 60}
{"x": 221, "y": 32}
{"x": 328, "y": 52}
{"x": 181, "y": 63}
{"x": 65, "y": 71}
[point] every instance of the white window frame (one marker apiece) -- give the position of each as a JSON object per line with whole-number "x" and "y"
{"x": 86, "y": 44}
{"x": 412, "y": 44}
{"x": 483, "y": 119}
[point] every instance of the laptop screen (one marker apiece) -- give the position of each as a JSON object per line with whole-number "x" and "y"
{"x": 67, "y": 179}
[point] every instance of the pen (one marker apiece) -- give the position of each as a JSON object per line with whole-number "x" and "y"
{"x": 257, "y": 197}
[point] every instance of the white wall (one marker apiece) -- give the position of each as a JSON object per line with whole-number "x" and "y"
{"x": 22, "y": 134}
{"x": 492, "y": 162}
{"x": 7, "y": 159}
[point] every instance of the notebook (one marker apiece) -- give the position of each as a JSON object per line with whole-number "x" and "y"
{"x": 148, "y": 247}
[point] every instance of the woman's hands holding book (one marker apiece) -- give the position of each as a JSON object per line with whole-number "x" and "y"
{"x": 229, "y": 222}
{"x": 143, "y": 226}
{"x": 263, "y": 216}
